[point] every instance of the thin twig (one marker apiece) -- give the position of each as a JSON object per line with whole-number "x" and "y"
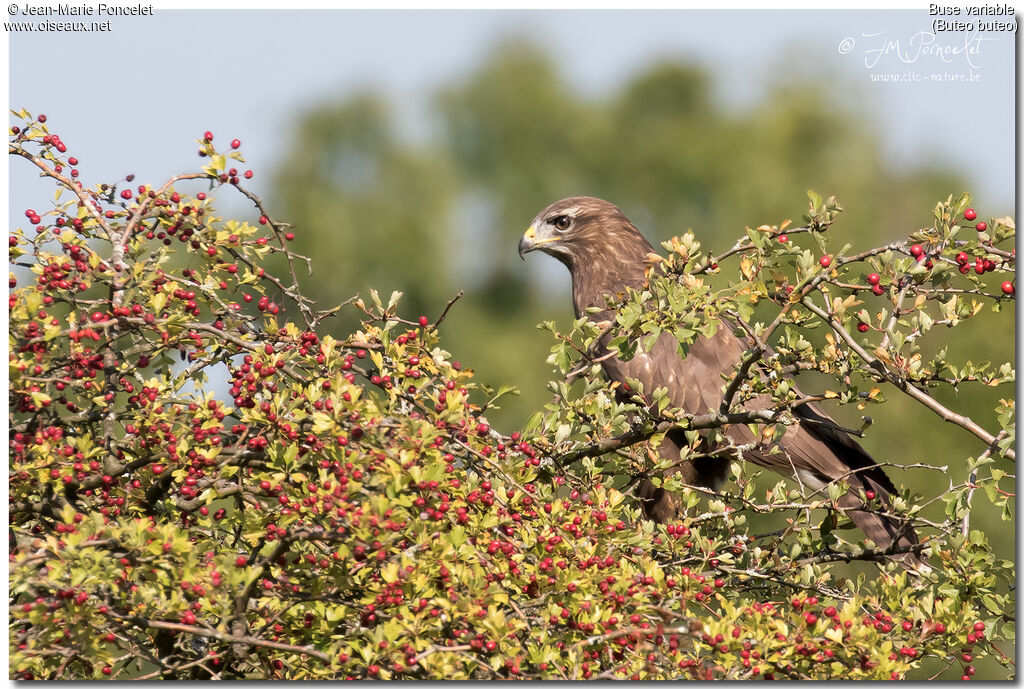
{"x": 972, "y": 482}
{"x": 440, "y": 319}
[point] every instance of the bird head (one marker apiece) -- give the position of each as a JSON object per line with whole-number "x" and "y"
{"x": 565, "y": 226}
{"x": 584, "y": 231}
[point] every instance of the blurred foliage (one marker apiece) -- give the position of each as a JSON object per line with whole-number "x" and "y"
{"x": 514, "y": 135}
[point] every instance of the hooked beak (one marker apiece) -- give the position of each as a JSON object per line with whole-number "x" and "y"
{"x": 529, "y": 242}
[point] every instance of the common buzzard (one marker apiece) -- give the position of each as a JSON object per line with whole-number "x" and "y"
{"x": 605, "y": 254}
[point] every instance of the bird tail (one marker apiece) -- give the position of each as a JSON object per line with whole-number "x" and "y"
{"x": 880, "y": 525}
{"x": 827, "y": 453}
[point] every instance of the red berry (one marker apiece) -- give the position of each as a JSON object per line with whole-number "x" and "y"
{"x": 126, "y": 194}
{"x": 41, "y": 118}
{"x": 878, "y": 289}
{"x": 208, "y": 136}
{"x": 962, "y": 258}
{"x": 970, "y": 214}
{"x": 1008, "y": 287}
{"x": 874, "y": 278}
{"x": 289, "y": 236}
{"x": 106, "y": 668}
{"x": 916, "y": 251}
{"x": 825, "y": 261}
{"x": 236, "y": 143}
{"x": 869, "y": 494}
{"x": 981, "y": 227}
{"x": 241, "y": 561}
{"x": 424, "y": 321}
{"x": 783, "y": 238}
{"x": 979, "y": 626}
{"x": 863, "y": 327}
{"x": 72, "y": 161}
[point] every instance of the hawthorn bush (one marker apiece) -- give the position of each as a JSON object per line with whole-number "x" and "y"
{"x": 203, "y": 485}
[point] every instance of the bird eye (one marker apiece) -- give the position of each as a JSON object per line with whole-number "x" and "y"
{"x": 562, "y": 222}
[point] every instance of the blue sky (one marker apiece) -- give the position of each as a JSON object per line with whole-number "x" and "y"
{"x": 135, "y": 99}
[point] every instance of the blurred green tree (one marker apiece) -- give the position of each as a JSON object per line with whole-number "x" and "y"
{"x": 374, "y": 209}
